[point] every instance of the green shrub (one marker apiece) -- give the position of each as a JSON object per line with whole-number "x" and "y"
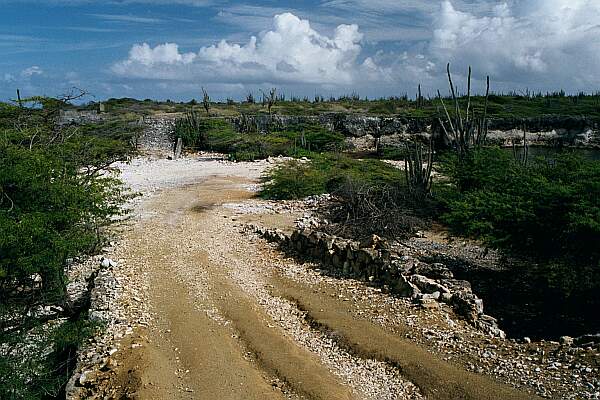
{"x": 326, "y": 173}
{"x": 312, "y": 137}
{"x": 383, "y": 107}
{"x": 296, "y": 141}
{"x": 393, "y": 153}
{"x": 547, "y": 211}
{"x": 219, "y": 135}
{"x": 293, "y": 180}
{"x": 50, "y": 212}
{"x": 371, "y": 196}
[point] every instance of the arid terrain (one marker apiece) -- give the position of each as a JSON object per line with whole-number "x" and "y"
{"x": 202, "y": 308}
{"x": 319, "y": 200}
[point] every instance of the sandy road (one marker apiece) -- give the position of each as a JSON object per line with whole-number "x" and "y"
{"x": 231, "y": 322}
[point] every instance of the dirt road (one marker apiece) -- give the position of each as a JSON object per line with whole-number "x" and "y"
{"x": 234, "y": 318}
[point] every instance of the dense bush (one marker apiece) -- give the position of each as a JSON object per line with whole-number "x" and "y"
{"x": 55, "y": 201}
{"x": 547, "y": 211}
{"x": 312, "y": 137}
{"x": 50, "y": 213}
{"x": 293, "y": 180}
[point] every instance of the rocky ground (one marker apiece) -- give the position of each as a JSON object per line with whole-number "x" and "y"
{"x": 195, "y": 306}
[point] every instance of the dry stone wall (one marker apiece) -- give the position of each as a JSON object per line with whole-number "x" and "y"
{"x": 373, "y": 262}
{"x": 158, "y": 134}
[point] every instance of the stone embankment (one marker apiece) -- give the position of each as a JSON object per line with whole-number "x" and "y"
{"x": 115, "y": 301}
{"x": 373, "y": 261}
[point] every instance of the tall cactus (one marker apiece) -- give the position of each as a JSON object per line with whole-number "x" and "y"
{"x": 420, "y": 102}
{"x": 206, "y": 101}
{"x": 468, "y": 131}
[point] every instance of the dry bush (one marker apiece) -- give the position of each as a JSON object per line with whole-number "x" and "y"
{"x": 362, "y": 209}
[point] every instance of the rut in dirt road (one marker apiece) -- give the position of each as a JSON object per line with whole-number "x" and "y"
{"x": 228, "y": 325}
{"x": 229, "y": 346}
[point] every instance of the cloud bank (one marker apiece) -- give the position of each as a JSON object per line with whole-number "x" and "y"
{"x": 541, "y": 44}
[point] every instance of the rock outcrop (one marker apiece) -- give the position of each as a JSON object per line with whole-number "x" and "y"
{"x": 361, "y": 130}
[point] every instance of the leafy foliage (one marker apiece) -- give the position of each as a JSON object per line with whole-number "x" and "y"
{"x": 56, "y": 200}
{"x": 325, "y": 173}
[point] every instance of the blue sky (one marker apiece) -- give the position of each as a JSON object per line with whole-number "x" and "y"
{"x": 170, "y": 49}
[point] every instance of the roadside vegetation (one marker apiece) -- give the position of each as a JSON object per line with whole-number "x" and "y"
{"x": 546, "y": 211}
{"x": 56, "y": 202}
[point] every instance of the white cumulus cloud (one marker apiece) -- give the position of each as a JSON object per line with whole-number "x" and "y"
{"x": 291, "y": 52}
{"x": 167, "y": 53}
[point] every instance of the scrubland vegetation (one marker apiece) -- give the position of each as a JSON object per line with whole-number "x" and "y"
{"x": 501, "y": 105}
{"x": 546, "y": 208}
{"x": 220, "y": 136}
{"x": 55, "y": 203}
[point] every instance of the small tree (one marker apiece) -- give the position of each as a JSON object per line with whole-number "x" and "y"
{"x": 57, "y": 199}
{"x": 206, "y": 101}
